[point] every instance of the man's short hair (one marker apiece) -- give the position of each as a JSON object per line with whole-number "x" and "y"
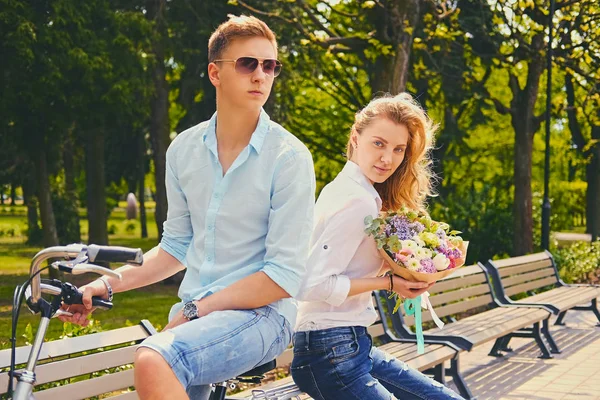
{"x": 237, "y": 27}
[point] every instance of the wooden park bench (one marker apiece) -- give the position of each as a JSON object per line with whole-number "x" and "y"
{"x": 83, "y": 366}
{"x": 465, "y": 300}
{"x": 536, "y": 273}
{"x": 432, "y": 362}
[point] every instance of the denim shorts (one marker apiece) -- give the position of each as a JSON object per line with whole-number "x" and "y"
{"x": 341, "y": 363}
{"x": 221, "y": 346}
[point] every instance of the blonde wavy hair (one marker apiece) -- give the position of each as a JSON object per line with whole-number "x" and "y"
{"x": 411, "y": 183}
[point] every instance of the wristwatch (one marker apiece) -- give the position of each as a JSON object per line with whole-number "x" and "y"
{"x": 190, "y": 310}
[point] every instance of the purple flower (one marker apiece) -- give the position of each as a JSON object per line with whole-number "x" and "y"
{"x": 427, "y": 266}
{"x": 400, "y": 226}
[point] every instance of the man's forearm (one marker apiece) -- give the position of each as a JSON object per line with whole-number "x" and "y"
{"x": 253, "y": 291}
{"x": 158, "y": 265}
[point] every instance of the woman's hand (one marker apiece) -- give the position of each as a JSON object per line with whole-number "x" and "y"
{"x": 408, "y": 289}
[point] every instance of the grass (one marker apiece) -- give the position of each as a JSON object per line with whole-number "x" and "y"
{"x": 152, "y": 302}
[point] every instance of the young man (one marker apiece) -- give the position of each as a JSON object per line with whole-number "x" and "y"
{"x": 240, "y": 193}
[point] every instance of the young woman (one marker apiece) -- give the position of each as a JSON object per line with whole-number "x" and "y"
{"x": 388, "y": 167}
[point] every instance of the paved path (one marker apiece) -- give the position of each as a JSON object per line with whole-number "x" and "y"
{"x": 573, "y": 374}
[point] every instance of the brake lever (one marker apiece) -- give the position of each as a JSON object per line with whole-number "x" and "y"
{"x": 84, "y": 268}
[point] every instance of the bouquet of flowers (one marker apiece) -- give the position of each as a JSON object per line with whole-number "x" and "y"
{"x": 416, "y": 247}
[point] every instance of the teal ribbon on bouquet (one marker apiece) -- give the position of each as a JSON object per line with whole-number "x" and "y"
{"x": 413, "y": 307}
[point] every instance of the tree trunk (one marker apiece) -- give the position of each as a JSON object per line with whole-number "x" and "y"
{"x": 30, "y": 200}
{"x": 593, "y": 189}
{"x": 70, "y": 190}
{"x": 525, "y": 124}
{"x": 396, "y": 24}
{"x": 50, "y": 237}
{"x": 95, "y": 182}
{"x": 522, "y": 205}
{"x": 159, "y": 113}
{"x": 592, "y": 173}
{"x": 13, "y": 194}
{"x": 141, "y": 185}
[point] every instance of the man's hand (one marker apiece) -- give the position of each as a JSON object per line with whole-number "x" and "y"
{"x": 179, "y": 319}
{"x": 408, "y": 289}
{"x": 80, "y": 312}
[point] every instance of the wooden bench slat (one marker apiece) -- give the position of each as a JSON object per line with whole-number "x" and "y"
{"x": 530, "y": 286}
{"x": 521, "y": 259}
{"x": 522, "y": 268}
{"x": 530, "y": 276}
{"x": 459, "y": 295}
{"x": 451, "y": 309}
{"x": 91, "y": 387}
{"x": 565, "y": 298}
{"x": 71, "y": 367}
{"x": 126, "y": 396}
{"x": 497, "y": 331}
{"x": 443, "y": 286}
{"x": 57, "y": 348}
{"x": 480, "y": 322}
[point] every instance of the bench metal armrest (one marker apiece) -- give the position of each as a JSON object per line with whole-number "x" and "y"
{"x": 459, "y": 341}
{"x": 433, "y": 340}
{"x": 548, "y": 307}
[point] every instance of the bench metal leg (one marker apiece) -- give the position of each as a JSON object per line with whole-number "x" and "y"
{"x": 537, "y": 335}
{"x": 459, "y": 381}
{"x": 498, "y": 346}
{"x": 559, "y": 320}
{"x": 595, "y": 310}
{"x": 546, "y": 331}
{"x": 592, "y": 307}
{"x": 439, "y": 373}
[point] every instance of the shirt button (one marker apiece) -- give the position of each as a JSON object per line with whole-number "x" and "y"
{"x": 210, "y": 227}
{"x": 209, "y": 258}
{"x": 217, "y": 195}
{"x": 325, "y": 247}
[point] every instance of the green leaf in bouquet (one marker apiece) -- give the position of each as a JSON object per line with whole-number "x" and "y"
{"x": 453, "y": 233}
{"x": 368, "y": 220}
{"x": 394, "y": 244}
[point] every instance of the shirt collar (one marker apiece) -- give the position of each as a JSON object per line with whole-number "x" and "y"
{"x": 256, "y": 140}
{"x": 353, "y": 171}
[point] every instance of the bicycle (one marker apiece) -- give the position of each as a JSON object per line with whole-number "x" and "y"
{"x": 76, "y": 259}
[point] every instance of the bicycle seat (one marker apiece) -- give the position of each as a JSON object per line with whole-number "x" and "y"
{"x": 260, "y": 370}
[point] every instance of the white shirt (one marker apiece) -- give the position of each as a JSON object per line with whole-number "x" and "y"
{"x": 340, "y": 250}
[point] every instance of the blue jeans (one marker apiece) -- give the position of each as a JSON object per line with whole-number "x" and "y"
{"x": 221, "y": 346}
{"x": 341, "y": 363}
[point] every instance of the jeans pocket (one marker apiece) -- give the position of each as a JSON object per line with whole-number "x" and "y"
{"x": 344, "y": 351}
{"x": 305, "y": 380}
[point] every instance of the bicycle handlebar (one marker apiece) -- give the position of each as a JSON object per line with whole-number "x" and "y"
{"x": 115, "y": 254}
{"x": 100, "y": 253}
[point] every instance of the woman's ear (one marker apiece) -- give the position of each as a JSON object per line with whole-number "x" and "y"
{"x": 354, "y": 139}
{"x": 213, "y": 74}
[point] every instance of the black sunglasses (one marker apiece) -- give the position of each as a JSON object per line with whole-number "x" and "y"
{"x": 247, "y": 65}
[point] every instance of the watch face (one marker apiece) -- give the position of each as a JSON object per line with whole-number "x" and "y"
{"x": 190, "y": 311}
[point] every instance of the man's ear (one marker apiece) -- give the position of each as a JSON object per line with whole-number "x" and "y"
{"x": 213, "y": 74}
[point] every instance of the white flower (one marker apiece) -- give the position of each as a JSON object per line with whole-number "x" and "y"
{"x": 440, "y": 262}
{"x": 413, "y": 264}
{"x": 418, "y": 241}
{"x": 422, "y": 254}
{"x": 409, "y": 244}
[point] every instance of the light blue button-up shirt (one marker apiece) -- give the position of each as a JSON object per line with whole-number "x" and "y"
{"x": 256, "y": 217}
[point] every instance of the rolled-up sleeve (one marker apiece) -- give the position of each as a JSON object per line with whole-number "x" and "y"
{"x": 290, "y": 221}
{"x": 177, "y": 229}
{"x": 333, "y": 250}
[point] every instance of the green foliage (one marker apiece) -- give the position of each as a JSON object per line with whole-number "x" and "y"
{"x": 579, "y": 263}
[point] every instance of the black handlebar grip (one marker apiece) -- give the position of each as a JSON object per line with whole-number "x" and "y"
{"x": 115, "y": 254}
{"x": 101, "y": 303}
